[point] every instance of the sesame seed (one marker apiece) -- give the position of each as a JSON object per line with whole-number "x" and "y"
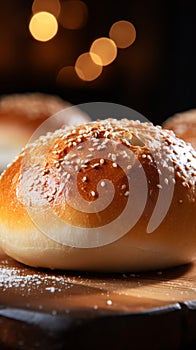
{"x": 114, "y": 165}
{"x": 84, "y": 179}
{"x": 159, "y": 186}
{"x": 95, "y": 165}
{"x": 109, "y": 302}
{"x": 126, "y": 194}
{"x": 123, "y": 187}
{"x": 159, "y": 171}
{"x": 102, "y": 183}
{"x": 166, "y": 181}
{"x": 143, "y": 155}
{"x": 102, "y": 161}
{"x": 93, "y": 193}
{"x": 80, "y": 147}
{"x": 129, "y": 166}
{"x": 54, "y": 191}
{"x": 171, "y": 169}
{"x": 113, "y": 156}
{"x": 73, "y": 155}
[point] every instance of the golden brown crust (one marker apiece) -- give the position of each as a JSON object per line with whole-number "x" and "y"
{"x": 184, "y": 125}
{"x": 47, "y": 168}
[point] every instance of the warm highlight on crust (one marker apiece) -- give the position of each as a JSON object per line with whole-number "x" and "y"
{"x": 172, "y": 243}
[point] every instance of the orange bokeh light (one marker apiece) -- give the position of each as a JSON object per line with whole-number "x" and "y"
{"x": 103, "y": 51}
{"x": 73, "y": 14}
{"x": 43, "y": 26}
{"x": 52, "y": 6}
{"x": 86, "y": 68}
{"x": 123, "y": 33}
{"x": 67, "y": 76}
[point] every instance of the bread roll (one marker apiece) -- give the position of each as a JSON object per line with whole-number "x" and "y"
{"x": 105, "y": 196}
{"x": 21, "y": 115}
{"x": 184, "y": 125}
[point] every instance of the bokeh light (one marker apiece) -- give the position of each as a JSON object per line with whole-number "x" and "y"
{"x": 73, "y": 14}
{"x": 67, "y": 77}
{"x": 86, "y": 68}
{"x": 103, "y": 51}
{"x": 52, "y": 6}
{"x": 43, "y": 26}
{"x": 123, "y": 33}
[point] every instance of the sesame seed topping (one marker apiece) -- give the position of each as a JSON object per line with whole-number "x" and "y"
{"x": 54, "y": 191}
{"x": 159, "y": 171}
{"x": 159, "y": 186}
{"x": 84, "y": 179}
{"x": 167, "y": 152}
{"x": 123, "y": 187}
{"x": 93, "y": 194}
{"x": 126, "y": 194}
{"x": 102, "y": 183}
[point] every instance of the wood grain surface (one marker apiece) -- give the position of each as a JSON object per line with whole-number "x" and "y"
{"x": 77, "y": 307}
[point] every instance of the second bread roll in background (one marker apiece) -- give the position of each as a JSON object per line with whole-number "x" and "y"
{"x": 22, "y": 114}
{"x": 184, "y": 125}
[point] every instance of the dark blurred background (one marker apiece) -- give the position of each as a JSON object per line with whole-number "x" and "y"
{"x": 156, "y": 75}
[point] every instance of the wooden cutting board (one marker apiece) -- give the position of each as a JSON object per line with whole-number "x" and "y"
{"x": 41, "y": 308}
